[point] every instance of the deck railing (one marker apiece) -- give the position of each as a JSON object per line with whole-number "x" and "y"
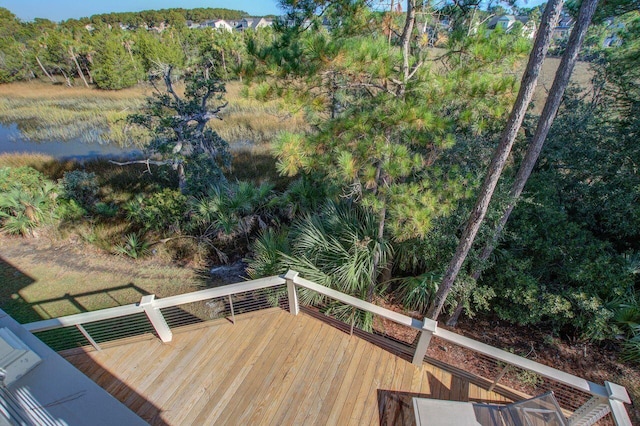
{"x": 590, "y": 403}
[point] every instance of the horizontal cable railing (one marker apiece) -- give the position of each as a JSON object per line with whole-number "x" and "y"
{"x": 100, "y": 327}
{"x": 417, "y": 340}
{"x": 500, "y": 370}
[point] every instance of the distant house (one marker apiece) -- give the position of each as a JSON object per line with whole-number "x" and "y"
{"x": 507, "y": 23}
{"x": 221, "y": 24}
{"x": 564, "y": 26}
{"x": 253, "y": 23}
{"x": 192, "y": 25}
{"x": 614, "y": 28}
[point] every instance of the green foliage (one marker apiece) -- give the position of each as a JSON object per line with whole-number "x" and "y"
{"x": 134, "y": 246}
{"x": 70, "y": 210}
{"x": 113, "y": 68}
{"x": 305, "y": 195}
{"x": 23, "y": 179}
{"x": 334, "y": 247}
{"x": 626, "y": 311}
{"x": 416, "y": 292}
{"x": 80, "y": 186}
{"x": 160, "y": 211}
{"x": 105, "y": 210}
{"x": 155, "y": 52}
{"x": 555, "y": 272}
{"x": 180, "y": 131}
{"x": 27, "y": 200}
{"x": 266, "y": 254}
{"x": 233, "y": 209}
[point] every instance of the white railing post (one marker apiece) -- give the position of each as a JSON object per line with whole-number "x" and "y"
{"x": 428, "y": 328}
{"x": 156, "y": 318}
{"x": 294, "y": 308}
{"x": 601, "y": 405}
{"x": 618, "y": 396}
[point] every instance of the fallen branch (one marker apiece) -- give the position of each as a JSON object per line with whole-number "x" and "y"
{"x": 148, "y": 162}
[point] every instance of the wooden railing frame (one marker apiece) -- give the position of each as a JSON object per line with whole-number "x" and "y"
{"x": 615, "y": 396}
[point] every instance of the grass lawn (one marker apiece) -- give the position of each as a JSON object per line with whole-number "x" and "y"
{"x": 41, "y": 279}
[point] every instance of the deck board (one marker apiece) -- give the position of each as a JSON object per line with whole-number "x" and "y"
{"x": 268, "y": 368}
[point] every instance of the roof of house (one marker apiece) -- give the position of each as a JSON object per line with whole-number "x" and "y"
{"x": 54, "y": 392}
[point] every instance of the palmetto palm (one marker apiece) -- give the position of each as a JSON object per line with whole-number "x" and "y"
{"x": 334, "y": 247}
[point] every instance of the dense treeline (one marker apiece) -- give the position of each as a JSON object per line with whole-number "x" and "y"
{"x": 383, "y": 180}
{"x": 113, "y": 58}
{"x": 152, "y": 18}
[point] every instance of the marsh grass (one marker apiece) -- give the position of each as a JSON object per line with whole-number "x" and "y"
{"x": 45, "y": 112}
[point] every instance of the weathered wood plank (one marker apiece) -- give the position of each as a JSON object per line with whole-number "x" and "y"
{"x": 352, "y": 412}
{"x": 337, "y": 380}
{"x": 331, "y": 368}
{"x": 282, "y": 370}
{"x": 216, "y": 371}
{"x": 198, "y": 379}
{"x": 355, "y": 370}
{"x": 222, "y": 392}
{"x": 289, "y": 395}
{"x": 270, "y": 367}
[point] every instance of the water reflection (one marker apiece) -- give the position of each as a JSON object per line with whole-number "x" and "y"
{"x": 12, "y": 141}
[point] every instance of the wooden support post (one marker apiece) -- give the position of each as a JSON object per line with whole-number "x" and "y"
{"x": 428, "y": 328}
{"x": 156, "y": 318}
{"x": 353, "y": 320}
{"x": 290, "y": 276}
{"x": 499, "y": 377}
{"x": 87, "y": 336}
{"x": 233, "y": 315}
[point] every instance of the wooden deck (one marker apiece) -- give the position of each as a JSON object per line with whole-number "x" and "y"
{"x": 269, "y": 368}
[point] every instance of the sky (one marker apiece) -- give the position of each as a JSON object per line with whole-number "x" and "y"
{"x": 60, "y": 10}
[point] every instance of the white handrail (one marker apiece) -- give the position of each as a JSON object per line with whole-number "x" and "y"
{"x": 212, "y": 293}
{"x": 366, "y": 306}
{"x": 495, "y": 353}
{"x": 134, "y": 308}
{"x": 521, "y": 362}
{"x": 83, "y": 318}
{"x": 427, "y": 325}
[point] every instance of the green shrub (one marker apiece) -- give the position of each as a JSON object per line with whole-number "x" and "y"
{"x": 234, "y": 208}
{"x": 134, "y": 246}
{"x": 80, "y": 186}
{"x": 27, "y": 200}
{"x": 25, "y": 179}
{"x": 159, "y": 211}
{"x": 106, "y": 210}
{"x": 70, "y": 210}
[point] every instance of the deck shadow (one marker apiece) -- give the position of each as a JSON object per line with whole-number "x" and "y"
{"x": 83, "y": 361}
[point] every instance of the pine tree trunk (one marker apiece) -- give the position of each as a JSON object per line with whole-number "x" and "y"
{"x": 182, "y": 178}
{"x": 529, "y": 80}
{"x": 44, "y": 70}
{"x": 75, "y": 60}
{"x": 406, "y": 43}
{"x": 560, "y": 83}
